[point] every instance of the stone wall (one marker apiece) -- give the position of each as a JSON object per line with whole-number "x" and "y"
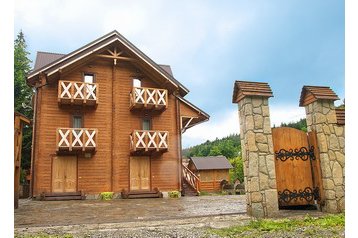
{"x": 258, "y": 157}
{"x": 321, "y": 117}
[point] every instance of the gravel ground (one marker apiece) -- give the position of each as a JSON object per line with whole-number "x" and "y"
{"x": 186, "y": 227}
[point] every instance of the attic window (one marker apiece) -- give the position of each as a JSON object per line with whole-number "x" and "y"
{"x": 137, "y": 83}
{"x": 88, "y": 78}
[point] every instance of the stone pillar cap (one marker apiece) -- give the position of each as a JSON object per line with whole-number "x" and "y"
{"x": 246, "y": 88}
{"x": 310, "y": 94}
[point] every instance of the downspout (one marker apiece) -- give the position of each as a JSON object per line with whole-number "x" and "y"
{"x": 34, "y": 129}
{"x": 33, "y": 145}
{"x": 179, "y": 143}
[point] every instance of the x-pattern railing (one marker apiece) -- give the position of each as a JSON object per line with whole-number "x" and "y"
{"x": 191, "y": 178}
{"x": 74, "y": 91}
{"x": 149, "y": 97}
{"x": 148, "y": 140}
{"x": 76, "y": 138}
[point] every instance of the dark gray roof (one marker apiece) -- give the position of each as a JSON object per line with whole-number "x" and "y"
{"x": 166, "y": 68}
{"x": 211, "y": 162}
{"x": 45, "y": 58}
{"x": 95, "y": 46}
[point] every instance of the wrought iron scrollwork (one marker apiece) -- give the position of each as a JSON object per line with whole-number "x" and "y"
{"x": 302, "y": 153}
{"x": 308, "y": 194}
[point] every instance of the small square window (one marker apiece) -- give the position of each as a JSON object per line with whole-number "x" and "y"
{"x": 88, "y": 78}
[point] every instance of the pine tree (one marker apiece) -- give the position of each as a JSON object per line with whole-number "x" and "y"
{"x": 23, "y": 94}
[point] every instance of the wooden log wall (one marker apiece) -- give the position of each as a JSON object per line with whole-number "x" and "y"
{"x": 108, "y": 169}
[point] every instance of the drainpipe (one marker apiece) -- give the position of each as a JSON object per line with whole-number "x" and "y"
{"x": 179, "y": 142}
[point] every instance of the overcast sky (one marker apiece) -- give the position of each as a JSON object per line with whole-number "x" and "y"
{"x": 209, "y": 45}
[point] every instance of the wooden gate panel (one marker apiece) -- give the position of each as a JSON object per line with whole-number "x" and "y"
{"x": 316, "y": 166}
{"x": 293, "y": 174}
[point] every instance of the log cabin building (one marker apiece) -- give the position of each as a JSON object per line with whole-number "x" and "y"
{"x": 211, "y": 171}
{"x": 107, "y": 118}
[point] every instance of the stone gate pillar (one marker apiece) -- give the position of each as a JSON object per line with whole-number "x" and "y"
{"x": 321, "y": 117}
{"x": 257, "y": 147}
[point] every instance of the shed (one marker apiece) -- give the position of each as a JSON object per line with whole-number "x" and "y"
{"x": 211, "y": 170}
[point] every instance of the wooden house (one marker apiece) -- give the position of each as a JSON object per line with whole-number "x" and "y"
{"x": 107, "y": 118}
{"x": 211, "y": 171}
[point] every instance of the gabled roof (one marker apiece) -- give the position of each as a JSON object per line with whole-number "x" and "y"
{"x": 45, "y": 58}
{"x": 309, "y": 94}
{"x": 211, "y": 162}
{"x": 246, "y": 88}
{"x": 95, "y": 46}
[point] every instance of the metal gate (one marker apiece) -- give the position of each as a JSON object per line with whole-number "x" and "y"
{"x": 298, "y": 174}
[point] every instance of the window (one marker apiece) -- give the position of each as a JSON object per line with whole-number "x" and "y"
{"x": 77, "y": 121}
{"x": 137, "y": 83}
{"x": 88, "y": 78}
{"x": 146, "y": 124}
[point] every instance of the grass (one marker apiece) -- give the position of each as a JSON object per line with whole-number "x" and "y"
{"x": 308, "y": 226}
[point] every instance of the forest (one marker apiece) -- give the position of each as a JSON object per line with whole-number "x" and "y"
{"x": 230, "y": 147}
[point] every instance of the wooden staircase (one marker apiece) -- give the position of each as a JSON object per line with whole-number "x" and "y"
{"x": 62, "y": 196}
{"x": 190, "y": 182}
{"x": 141, "y": 194}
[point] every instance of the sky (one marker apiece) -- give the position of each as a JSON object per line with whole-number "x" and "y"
{"x": 209, "y": 45}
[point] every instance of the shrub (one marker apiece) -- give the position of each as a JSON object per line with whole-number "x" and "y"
{"x": 173, "y": 194}
{"x": 106, "y": 196}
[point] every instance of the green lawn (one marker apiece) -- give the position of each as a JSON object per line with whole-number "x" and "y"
{"x": 326, "y": 226}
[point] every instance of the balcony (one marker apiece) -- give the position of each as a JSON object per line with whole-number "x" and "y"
{"x": 76, "y": 140}
{"x": 77, "y": 93}
{"x": 147, "y": 142}
{"x": 148, "y": 98}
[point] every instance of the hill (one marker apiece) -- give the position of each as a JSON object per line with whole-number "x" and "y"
{"x": 229, "y": 146}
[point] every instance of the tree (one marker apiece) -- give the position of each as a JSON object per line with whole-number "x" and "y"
{"x": 23, "y": 94}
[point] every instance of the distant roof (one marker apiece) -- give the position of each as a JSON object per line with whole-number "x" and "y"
{"x": 211, "y": 162}
{"x": 246, "y": 88}
{"x": 340, "y": 114}
{"x": 310, "y": 94}
{"x": 44, "y": 58}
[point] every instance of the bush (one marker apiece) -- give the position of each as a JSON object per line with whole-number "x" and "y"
{"x": 106, "y": 196}
{"x": 173, "y": 194}
{"x": 238, "y": 171}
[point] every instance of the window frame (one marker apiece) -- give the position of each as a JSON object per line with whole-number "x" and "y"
{"x": 89, "y": 73}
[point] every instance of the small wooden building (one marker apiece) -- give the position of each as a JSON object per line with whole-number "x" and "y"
{"x": 19, "y": 121}
{"x": 211, "y": 171}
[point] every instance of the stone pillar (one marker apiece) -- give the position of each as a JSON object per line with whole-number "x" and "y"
{"x": 257, "y": 148}
{"x": 321, "y": 117}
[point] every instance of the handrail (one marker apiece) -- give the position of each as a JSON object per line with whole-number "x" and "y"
{"x": 76, "y": 90}
{"x": 191, "y": 178}
{"x": 148, "y": 96}
{"x": 76, "y": 138}
{"x": 149, "y": 140}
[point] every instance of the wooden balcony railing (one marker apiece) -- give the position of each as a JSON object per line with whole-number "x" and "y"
{"x": 148, "y": 98}
{"x": 148, "y": 141}
{"x": 79, "y": 93}
{"x": 75, "y": 139}
{"x": 191, "y": 178}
